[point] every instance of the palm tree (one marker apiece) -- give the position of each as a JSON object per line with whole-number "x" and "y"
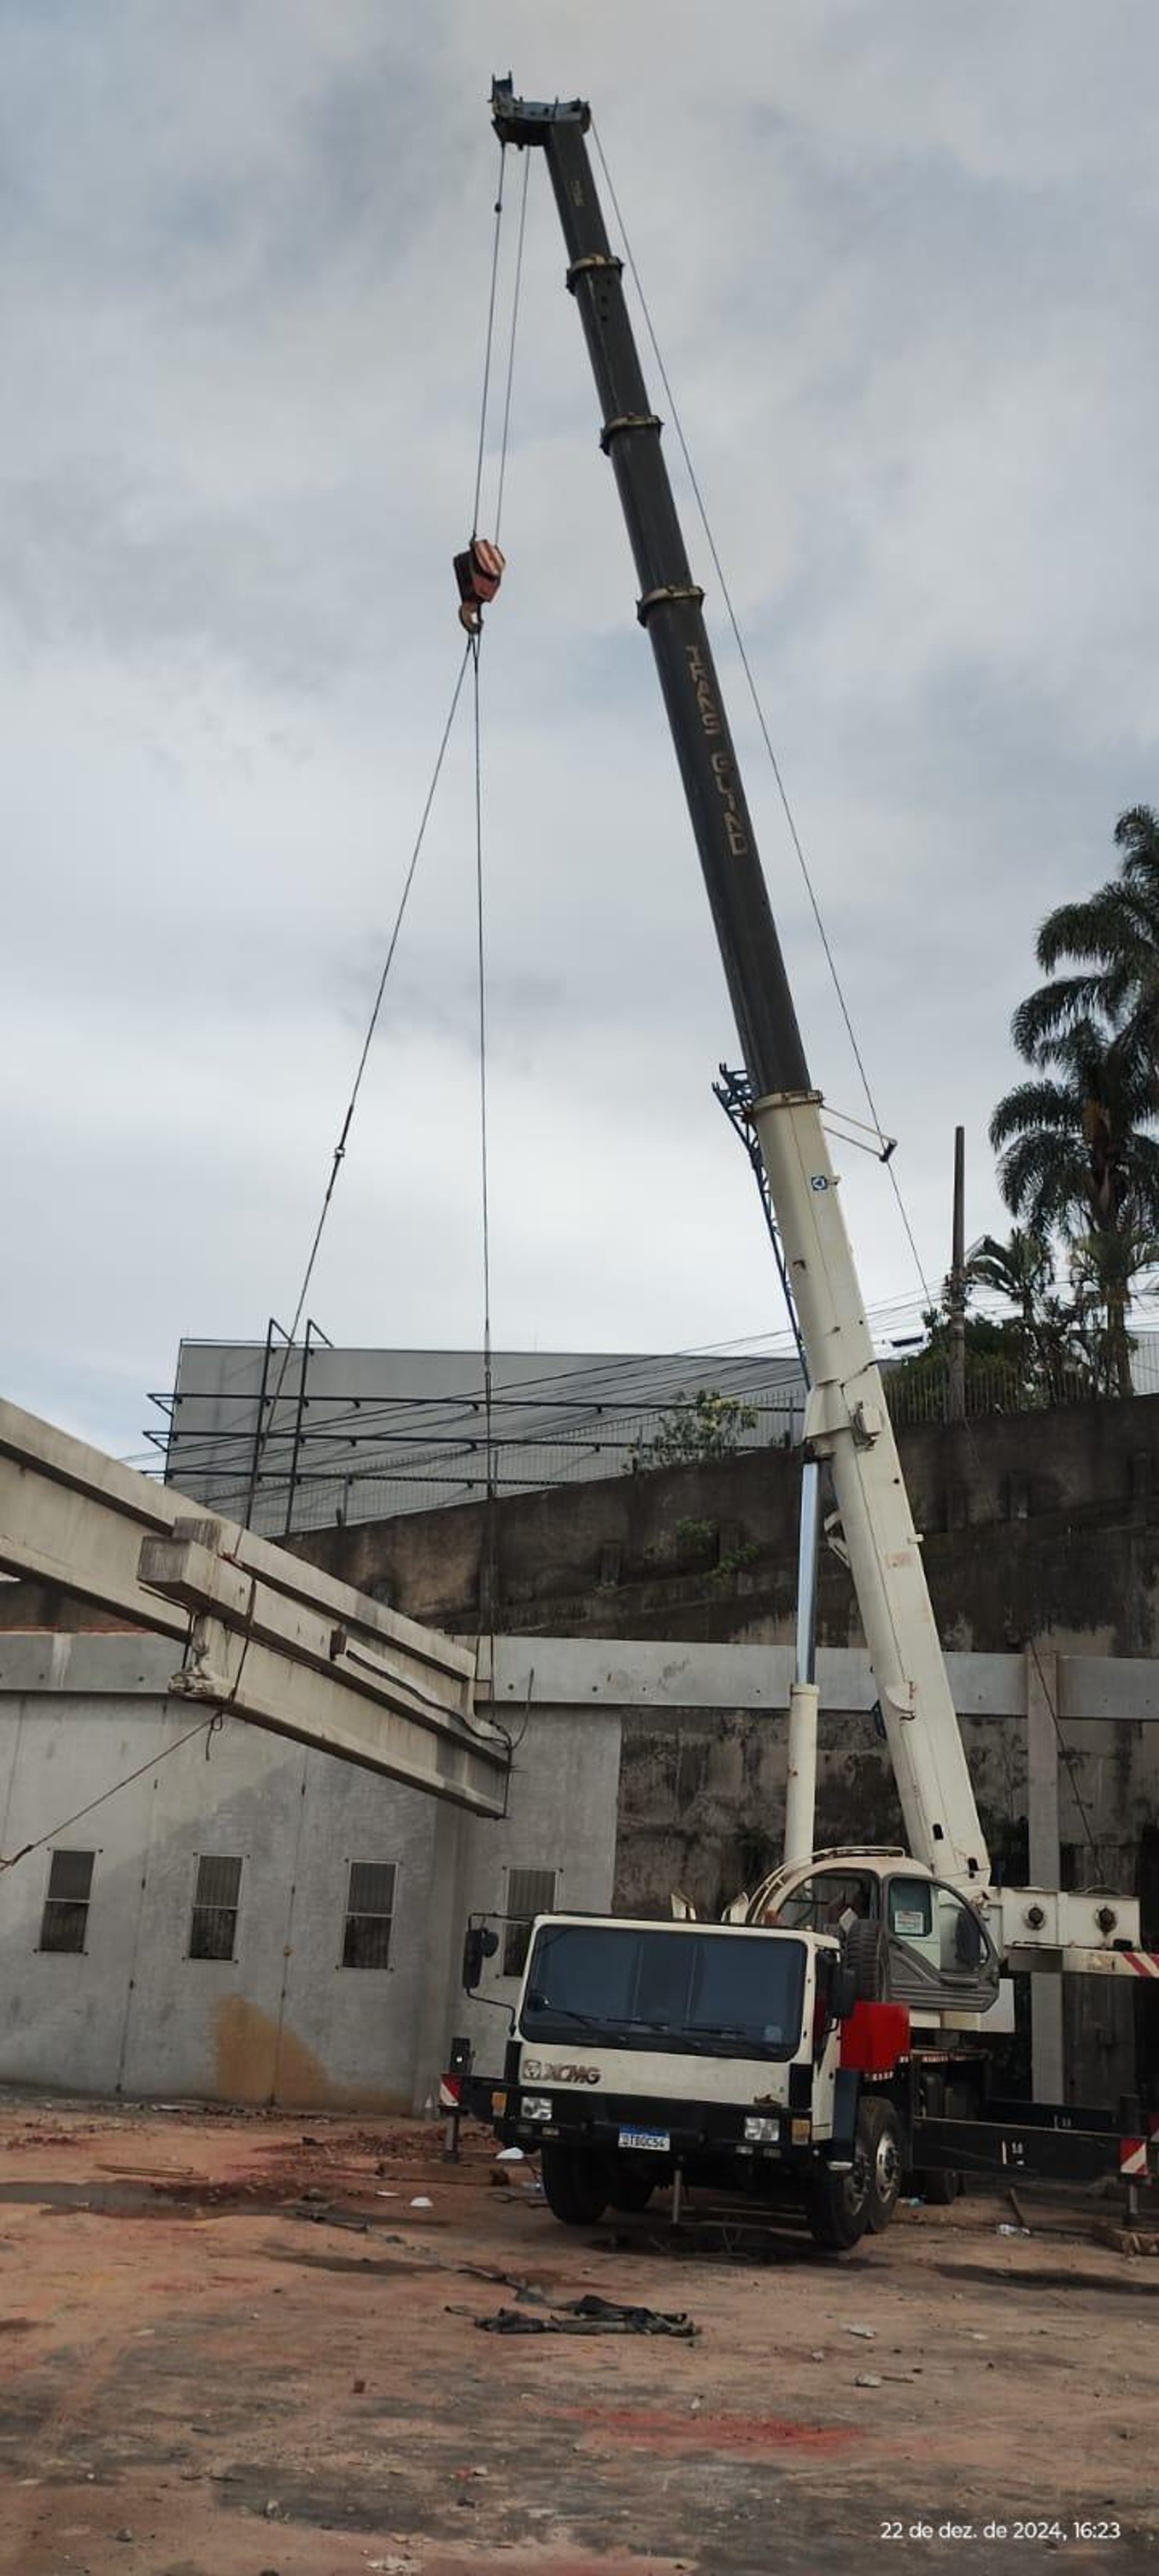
{"x": 1021, "y": 1271}
{"x": 1112, "y": 939}
{"x": 1104, "y": 1268}
{"x": 1077, "y": 1155}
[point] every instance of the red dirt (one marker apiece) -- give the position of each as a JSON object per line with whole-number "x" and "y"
{"x": 245, "y": 2378}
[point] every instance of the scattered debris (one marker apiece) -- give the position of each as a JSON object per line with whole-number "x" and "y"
{"x": 1005, "y": 2228}
{"x": 510, "y": 2156}
{"x": 421, "y": 2202}
{"x": 591, "y": 2315}
{"x": 867, "y": 2379}
{"x": 868, "y": 2334}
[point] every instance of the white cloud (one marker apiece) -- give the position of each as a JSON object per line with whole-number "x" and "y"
{"x": 901, "y": 263}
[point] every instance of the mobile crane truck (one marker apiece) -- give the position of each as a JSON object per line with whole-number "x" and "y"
{"x": 814, "y": 2043}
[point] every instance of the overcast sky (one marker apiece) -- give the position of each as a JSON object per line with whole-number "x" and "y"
{"x": 901, "y": 258}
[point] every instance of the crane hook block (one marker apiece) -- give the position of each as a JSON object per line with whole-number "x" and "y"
{"x": 478, "y": 572}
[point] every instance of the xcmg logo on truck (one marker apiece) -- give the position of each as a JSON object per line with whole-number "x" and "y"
{"x": 539, "y": 2070}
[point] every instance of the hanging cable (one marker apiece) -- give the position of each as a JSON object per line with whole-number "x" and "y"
{"x": 208, "y": 1725}
{"x": 527, "y": 158}
{"x": 489, "y": 1529}
{"x": 352, "y": 1104}
{"x": 754, "y": 693}
{"x": 490, "y": 338}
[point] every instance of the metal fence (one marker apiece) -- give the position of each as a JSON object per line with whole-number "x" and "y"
{"x": 922, "y": 1394}
{"x": 324, "y": 1482}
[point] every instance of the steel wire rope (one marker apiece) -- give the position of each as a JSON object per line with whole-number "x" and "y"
{"x": 339, "y": 1151}
{"x": 754, "y": 693}
{"x": 489, "y": 341}
{"x": 470, "y": 651}
{"x": 489, "y": 1536}
{"x": 208, "y": 1726}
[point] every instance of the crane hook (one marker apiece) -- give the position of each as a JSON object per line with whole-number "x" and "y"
{"x": 478, "y": 571}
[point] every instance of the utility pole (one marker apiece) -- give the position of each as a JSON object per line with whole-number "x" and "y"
{"x": 956, "y": 1298}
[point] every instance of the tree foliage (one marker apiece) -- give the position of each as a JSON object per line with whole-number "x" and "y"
{"x": 1078, "y": 1153}
{"x": 705, "y": 1425}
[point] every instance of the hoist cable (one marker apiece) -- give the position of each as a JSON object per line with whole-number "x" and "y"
{"x": 490, "y": 338}
{"x": 527, "y": 159}
{"x": 489, "y": 1532}
{"x": 344, "y": 1132}
{"x": 756, "y": 699}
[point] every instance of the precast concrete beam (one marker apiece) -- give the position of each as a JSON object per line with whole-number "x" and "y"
{"x": 270, "y": 1638}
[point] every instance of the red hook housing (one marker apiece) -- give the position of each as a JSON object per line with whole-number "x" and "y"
{"x": 478, "y": 572}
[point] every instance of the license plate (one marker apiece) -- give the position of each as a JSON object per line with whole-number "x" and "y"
{"x": 655, "y": 2142}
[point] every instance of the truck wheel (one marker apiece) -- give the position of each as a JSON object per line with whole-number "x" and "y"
{"x": 867, "y": 1953}
{"x": 631, "y": 2191}
{"x": 837, "y": 2205}
{"x": 575, "y": 2187}
{"x": 880, "y": 2139}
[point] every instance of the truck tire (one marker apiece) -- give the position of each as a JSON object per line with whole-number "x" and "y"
{"x": 880, "y": 2138}
{"x": 577, "y": 2188}
{"x": 631, "y": 2191}
{"x": 837, "y": 2205}
{"x": 867, "y": 1953}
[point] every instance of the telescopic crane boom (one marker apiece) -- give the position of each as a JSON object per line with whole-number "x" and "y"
{"x": 846, "y": 1419}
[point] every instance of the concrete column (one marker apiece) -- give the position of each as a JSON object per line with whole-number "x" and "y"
{"x": 442, "y": 2001}
{"x": 1046, "y": 2025}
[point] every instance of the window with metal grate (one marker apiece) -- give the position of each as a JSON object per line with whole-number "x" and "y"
{"x": 529, "y": 1892}
{"x": 64, "y": 1922}
{"x": 369, "y": 1914}
{"x": 213, "y": 1928}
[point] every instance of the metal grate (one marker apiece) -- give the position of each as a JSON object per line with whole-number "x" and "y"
{"x": 369, "y": 1914}
{"x": 213, "y": 1928}
{"x": 529, "y": 1892}
{"x": 66, "y": 1905}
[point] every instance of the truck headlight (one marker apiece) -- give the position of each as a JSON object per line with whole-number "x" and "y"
{"x": 535, "y": 2106}
{"x": 763, "y": 2133}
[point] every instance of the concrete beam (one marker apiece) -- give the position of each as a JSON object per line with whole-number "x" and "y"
{"x": 274, "y": 1639}
{"x": 569, "y": 1672}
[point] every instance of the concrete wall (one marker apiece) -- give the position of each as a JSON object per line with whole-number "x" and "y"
{"x": 283, "y": 2020}
{"x": 1036, "y": 1525}
{"x": 637, "y": 1768}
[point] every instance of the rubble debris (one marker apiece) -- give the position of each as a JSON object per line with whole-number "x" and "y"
{"x": 592, "y": 2315}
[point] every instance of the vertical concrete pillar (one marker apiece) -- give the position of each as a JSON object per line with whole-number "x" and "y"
{"x": 1046, "y": 2026}
{"x": 442, "y": 1998}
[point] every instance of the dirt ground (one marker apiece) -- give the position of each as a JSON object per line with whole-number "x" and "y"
{"x": 240, "y": 2345}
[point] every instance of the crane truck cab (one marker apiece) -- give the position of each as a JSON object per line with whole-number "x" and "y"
{"x": 924, "y": 1943}
{"x": 642, "y": 2049}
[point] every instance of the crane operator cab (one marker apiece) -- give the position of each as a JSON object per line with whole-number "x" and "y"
{"x": 924, "y": 1944}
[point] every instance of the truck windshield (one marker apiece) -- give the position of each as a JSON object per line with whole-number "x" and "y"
{"x": 690, "y": 1989}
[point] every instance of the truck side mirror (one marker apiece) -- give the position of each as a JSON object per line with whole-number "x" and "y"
{"x": 480, "y": 1944}
{"x": 842, "y": 1991}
